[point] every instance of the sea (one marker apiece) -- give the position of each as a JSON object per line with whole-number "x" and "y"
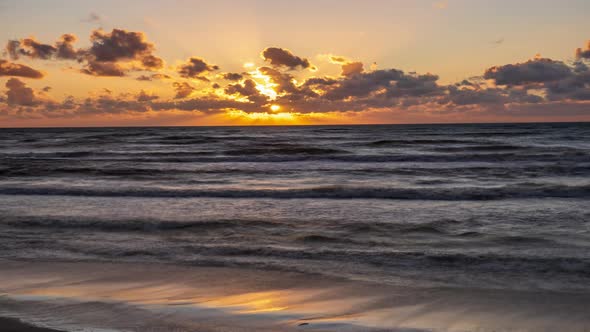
{"x": 455, "y": 206}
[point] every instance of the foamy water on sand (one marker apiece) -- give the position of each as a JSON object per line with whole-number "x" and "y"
{"x": 434, "y": 228}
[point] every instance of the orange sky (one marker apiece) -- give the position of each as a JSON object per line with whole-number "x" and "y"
{"x": 94, "y": 64}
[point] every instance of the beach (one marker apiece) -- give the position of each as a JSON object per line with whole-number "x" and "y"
{"x": 134, "y": 297}
{"x": 450, "y": 228}
{"x": 293, "y": 166}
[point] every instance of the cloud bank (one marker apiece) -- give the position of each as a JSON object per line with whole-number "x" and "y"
{"x": 539, "y": 87}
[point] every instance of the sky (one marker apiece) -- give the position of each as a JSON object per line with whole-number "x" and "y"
{"x": 259, "y": 62}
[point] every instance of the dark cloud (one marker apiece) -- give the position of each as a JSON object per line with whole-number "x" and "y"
{"x": 19, "y": 94}
{"x": 517, "y": 86}
{"x": 247, "y": 89}
{"x": 377, "y": 89}
{"x": 144, "y": 96}
{"x": 97, "y": 68}
{"x": 548, "y": 109}
{"x": 207, "y": 105}
{"x": 124, "y": 104}
{"x": 111, "y": 54}
{"x": 152, "y": 62}
{"x": 362, "y": 85}
{"x": 37, "y": 50}
{"x": 496, "y": 96}
{"x": 415, "y": 85}
{"x": 395, "y": 89}
{"x": 320, "y": 81}
{"x": 153, "y": 77}
{"x": 8, "y": 68}
{"x": 115, "y": 52}
{"x": 558, "y": 80}
{"x": 532, "y": 71}
{"x": 282, "y": 57}
{"x": 232, "y": 76}
{"x": 195, "y": 67}
{"x": 183, "y": 89}
{"x": 110, "y": 105}
{"x": 575, "y": 87}
{"x": 65, "y": 47}
{"x": 119, "y": 45}
{"x": 29, "y": 47}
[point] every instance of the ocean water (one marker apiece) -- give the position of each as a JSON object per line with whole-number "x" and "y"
{"x": 494, "y": 206}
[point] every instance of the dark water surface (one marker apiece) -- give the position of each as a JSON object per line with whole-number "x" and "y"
{"x": 503, "y": 206}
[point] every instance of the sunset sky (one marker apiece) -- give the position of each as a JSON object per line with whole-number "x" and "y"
{"x": 108, "y": 63}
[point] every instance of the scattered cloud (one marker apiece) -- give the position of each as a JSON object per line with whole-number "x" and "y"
{"x": 112, "y": 53}
{"x": 529, "y": 88}
{"x": 183, "y": 89}
{"x": 8, "y": 68}
{"x": 232, "y": 76}
{"x": 19, "y": 94}
{"x": 533, "y": 71}
{"x": 144, "y": 96}
{"x": 31, "y": 48}
{"x": 195, "y": 67}
{"x": 349, "y": 68}
{"x": 65, "y": 47}
{"x": 280, "y": 57}
{"x": 93, "y": 18}
{"x": 154, "y": 77}
{"x": 247, "y": 89}
{"x": 118, "y": 51}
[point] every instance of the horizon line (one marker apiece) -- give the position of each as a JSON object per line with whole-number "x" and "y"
{"x": 308, "y": 125}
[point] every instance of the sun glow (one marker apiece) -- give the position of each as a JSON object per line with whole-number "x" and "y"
{"x": 275, "y": 108}
{"x": 265, "y": 117}
{"x": 278, "y": 118}
{"x": 267, "y": 90}
{"x": 264, "y": 84}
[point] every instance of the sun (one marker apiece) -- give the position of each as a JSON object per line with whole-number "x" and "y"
{"x": 275, "y": 108}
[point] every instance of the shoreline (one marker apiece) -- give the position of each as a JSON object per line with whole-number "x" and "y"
{"x": 140, "y": 297}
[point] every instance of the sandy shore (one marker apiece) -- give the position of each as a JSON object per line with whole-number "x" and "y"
{"x": 132, "y": 297}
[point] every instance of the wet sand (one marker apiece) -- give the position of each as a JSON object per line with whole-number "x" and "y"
{"x": 133, "y": 297}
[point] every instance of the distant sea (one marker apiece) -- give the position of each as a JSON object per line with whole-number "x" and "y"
{"x": 478, "y": 206}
